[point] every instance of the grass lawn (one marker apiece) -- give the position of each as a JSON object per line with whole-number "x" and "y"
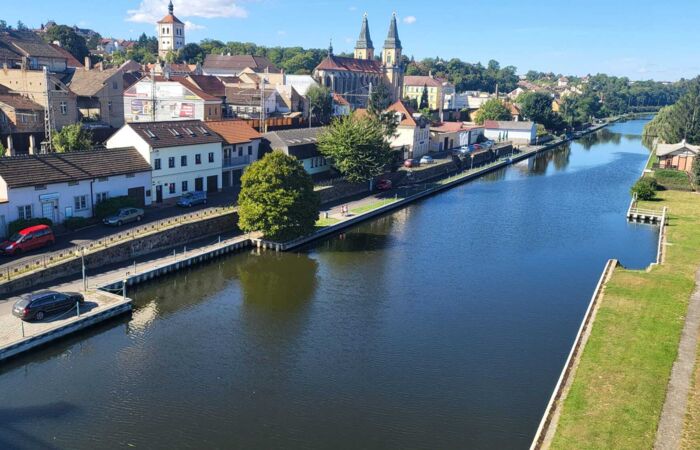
{"x": 619, "y": 388}
{"x": 673, "y": 179}
{"x": 372, "y": 206}
{"x": 323, "y": 222}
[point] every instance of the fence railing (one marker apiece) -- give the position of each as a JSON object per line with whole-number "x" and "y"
{"x": 11, "y": 271}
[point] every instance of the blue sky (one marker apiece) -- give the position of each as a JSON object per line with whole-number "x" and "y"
{"x": 641, "y": 39}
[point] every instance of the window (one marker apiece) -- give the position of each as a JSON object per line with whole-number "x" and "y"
{"x": 211, "y": 157}
{"x": 156, "y": 164}
{"x": 40, "y": 187}
{"x": 103, "y": 179}
{"x": 198, "y": 158}
{"x": 171, "y": 162}
{"x": 73, "y": 183}
{"x": 184, "y": 186}
{"x": 250, "y": 150}
{"x": 240, "y": 151}
{"x": 24, "y": 212}
{"x": 183, "y": 160}
{"x": 171, "y": 188}
{"x": 100, "y": 197}
{"x": 109, "y": 106}
{"x": 130, "y": 175}
{"x": 115, "y": 85}
{"x": 80, "y": 202}
{"x": 64, "y": 108}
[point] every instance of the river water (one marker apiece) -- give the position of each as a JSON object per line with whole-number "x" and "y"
{"x": 442, "y": 325}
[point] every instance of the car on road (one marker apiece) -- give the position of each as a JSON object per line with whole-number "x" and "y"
{"x": 190, "y": 199}
{"x": 45, "y": 304}
{"x": 487, "y": 144}
{"x": 27, "y": 239}
{"x": 124, "y": 215}
{"x": 411, "y": 163}
{"x": 384, "y": 184}
{"x": 427, "y": 159}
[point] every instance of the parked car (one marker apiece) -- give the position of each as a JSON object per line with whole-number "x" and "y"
{"x": 124, "y": 215}
{"x": 426, "y": 159}
{"x": 475, "y": 147}
{"x": 46, "y": 303}
{"x": 28, "y": 239}
{"x": 411, "y": 163}
{"x": 190, "y": 199}
{"x": 384, "y": 184}
{"x": 487, "y": 144}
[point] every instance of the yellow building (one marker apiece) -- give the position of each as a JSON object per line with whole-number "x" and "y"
{"x": 413, "y": 87}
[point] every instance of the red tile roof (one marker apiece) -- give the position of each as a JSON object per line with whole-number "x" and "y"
{"x": 448, "y": 127}
{"x": 421, "y": 81}
{"x": 72, "y": 60}
{"x": 406, "y": 112}
{"x": 234, "y": 131}
{"x": 170, "y": 19}
{"x": 209, "y": 84}
{"x": 333, "y": 62}
{"x": 339, "y": 99}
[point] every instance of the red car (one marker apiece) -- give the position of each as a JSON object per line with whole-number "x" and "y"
{"x": 411, "y": 163}
{"x": 28, "y": 239}
{"x": 384, "y": 185}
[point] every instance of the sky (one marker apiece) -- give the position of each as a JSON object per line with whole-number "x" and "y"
{"x": 640, "y": 39}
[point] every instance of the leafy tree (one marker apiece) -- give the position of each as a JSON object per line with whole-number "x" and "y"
{"x": 320, "y": 103}
{"x": 645, "y": 188}
{"x": 537, "y": 106}
{"x": 424, "y": 98}
{"x": 3, "y": 25}
{"x": 171, "y": 57}
{"x": 380, "y": 99}
{"x": 411, "y": 102}
{"x": 695, "y": 171}
{"x": 94, "y": 41}
{"x": 21, "y": 26}
{"x": 192, "y": 54}
{"x": 3, "y": 150}
{"x": 492, "y": 109}
{"x": 357, "y": 147}
{"x": 680, "y": 121}
{"x": 277, "y": 198}
{"x": 72, "y": 137}
{"x": 69, "y": 40}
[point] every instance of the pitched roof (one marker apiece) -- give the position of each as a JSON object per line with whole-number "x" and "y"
{"x": 392, "y": 39}
{"x": 421, "y": 80}
{"x": 298, "y": 142}
{"x": 508, "y": 125}
{"x": 209, "y": 84}
{"x": 246, "y": 96}
{"x": 339, "y": 99}
{"x": 72, "y": 60}
{"x": 364, "y": 41}
{"x": 19, "y": 102}
{"x": 448, "y": 127}
{"x": 406, "y": 112}
{"x": 26, "y": 43}
{"x": 87, "y": 83}
{"x": 174, "y": 133}
{"x": 185, "y": 83}
{"x": 170, "y": 18}
{"x": 32, "y": 170}
{"x": 341, "y": 63}
{"x": 239, "y": 62}
{"x": 234, "y": 131}
{"x": 666, "y": 149}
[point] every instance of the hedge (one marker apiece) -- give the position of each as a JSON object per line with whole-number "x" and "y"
{"x": 20, "y": 224}
{"x": 76, "y": 223}
{"x": 110, "y": 206}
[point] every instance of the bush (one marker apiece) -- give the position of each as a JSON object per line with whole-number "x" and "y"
{"x": 110, "y": 206}
{"x": 21, "y": 224}
{"x": 76, "y": 223}
{"x": 673, "y": 179}
{"x": 645, "y": 188}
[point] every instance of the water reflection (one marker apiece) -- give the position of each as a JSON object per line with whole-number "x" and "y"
{"x": 370, "y": 237}
{"x": 12, "y": 419}
{"x": 604, "y": 136}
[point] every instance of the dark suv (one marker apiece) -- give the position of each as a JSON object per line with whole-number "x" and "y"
{"x": 46, "y": 303}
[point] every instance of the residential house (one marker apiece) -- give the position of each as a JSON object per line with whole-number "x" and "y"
{"x": 438, "y": 91}
{"x": 240, "y": 148}
{"x": 247, "y": 102}
{"x": 341, "y": 107}
{"x": 57, "y": 186}
{"x": 233, "y": 65}
{"x": 678, "y": 156}
{"x": 169, "y": 99}
{"x": 562, "y": 82}
{"x": 71, "y": 61}
{"x": 19, "y": 48}
{"x": 21, "y": 123}
{"x": 184, "y": 155}
{"x": 412, "y": 135}
{"x": 453, "y": 135}
{"x": 300, "y": 143}
{"x": 516, "y": 132}
{"x": 300, "y": 83}
{"x": 100, "y": 95}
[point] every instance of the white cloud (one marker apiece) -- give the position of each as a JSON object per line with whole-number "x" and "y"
{"x": 409, "y": 20}
{"x": 193, "y": 26}
{"x": 150, "y": 11}
{"x": 352, "y": 8}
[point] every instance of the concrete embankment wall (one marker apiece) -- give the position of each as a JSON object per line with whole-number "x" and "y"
{"x": 125, "y": 251}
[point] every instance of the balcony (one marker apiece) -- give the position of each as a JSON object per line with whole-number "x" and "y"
{"x": 233, "y": 161}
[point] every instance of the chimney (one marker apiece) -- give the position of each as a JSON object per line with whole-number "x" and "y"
{"x": 88, "y": 63}
{"x": 32, "y": 145}
{"x": 10, "y": 146}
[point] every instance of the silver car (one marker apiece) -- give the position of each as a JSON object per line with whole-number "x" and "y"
{"x": 124, "y": 215}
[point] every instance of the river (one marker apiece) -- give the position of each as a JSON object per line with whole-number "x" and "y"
{"x": 442, "y": 325}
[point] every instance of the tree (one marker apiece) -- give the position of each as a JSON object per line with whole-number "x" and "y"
{"x": 679, "y": 121}
{"x": 94, "y": 41}
{"x": 424, "y": 98}
{"x": 645, "y": 188}
{"x": 357, "y": 147}
{"x": 277, "y": 198}
{"x": 380, "y": 99}
{"x": 492, "y": 109}
{"x": 192, "y": 54}
{"x": 537, "y": 106}
{"x": 411, "y": 102}
{"x": 69, "y": 40}
{"x": 72, "y": 137}
{"x": 320, "y": 103}
{"x": 3, "y": 150}
{"x": 21, "y": 26}
{"x": 695, "y": 171}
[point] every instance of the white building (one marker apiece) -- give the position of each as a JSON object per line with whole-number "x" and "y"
{"x": 300, "y": 143}
{"x": 57, "y": 186}
{"x": 412, "y": 134}
{"x": 171, "y": 33}
{"x": 240, "y": 148}
{"x": 185, "y": 156}
{"x": 515, "y": 132}
{"x": 453, "y": 135}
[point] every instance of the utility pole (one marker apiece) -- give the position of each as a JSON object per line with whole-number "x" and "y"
{"x": 153, "y": 94}
{"x": 48, "y": 117}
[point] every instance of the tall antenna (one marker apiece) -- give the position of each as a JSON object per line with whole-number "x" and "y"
{"x": 153, "y": 93}
{"x": 48, "y": 117}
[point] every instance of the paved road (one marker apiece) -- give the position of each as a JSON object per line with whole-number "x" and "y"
{"x": 153, "y": 214}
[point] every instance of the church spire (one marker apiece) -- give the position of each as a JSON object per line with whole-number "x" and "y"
{"x": 364, "y": 41}
{"x": 170, "y": 7}
{"x": 392, "y": 39}
{"x": 330, "y": 48}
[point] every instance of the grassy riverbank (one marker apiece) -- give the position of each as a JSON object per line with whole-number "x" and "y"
{"x": 620, "y": 385}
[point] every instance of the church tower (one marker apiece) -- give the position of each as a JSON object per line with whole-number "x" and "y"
{"x": 391, "y": 58}
{"x": 171, "y": 33}
{"x": 364, "y": 48}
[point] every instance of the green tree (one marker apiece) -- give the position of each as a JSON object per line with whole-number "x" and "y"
{"x": 320, "y": 103}
{"x": 356, "y": 146}
{"x": 679, "y": 121}
{"x": 94, "y": 41}
{"x": 69, "y": 40}
{"x": 380, "y": 99}
{"x": 424, "y": 98}
{"x": 537, "y": 106}
{"x": 72, "y": 137}
{"x": 645, "y": 188}
{"x": 3, "y": 150}
{"x": 695, "y": 171}
{"x": 492, "y": 109}
{"x": 21, "y": 26}
{"x": 277, "y": 198}
{"x": 411, "y": 102}
{"x": 192, "y": 54}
